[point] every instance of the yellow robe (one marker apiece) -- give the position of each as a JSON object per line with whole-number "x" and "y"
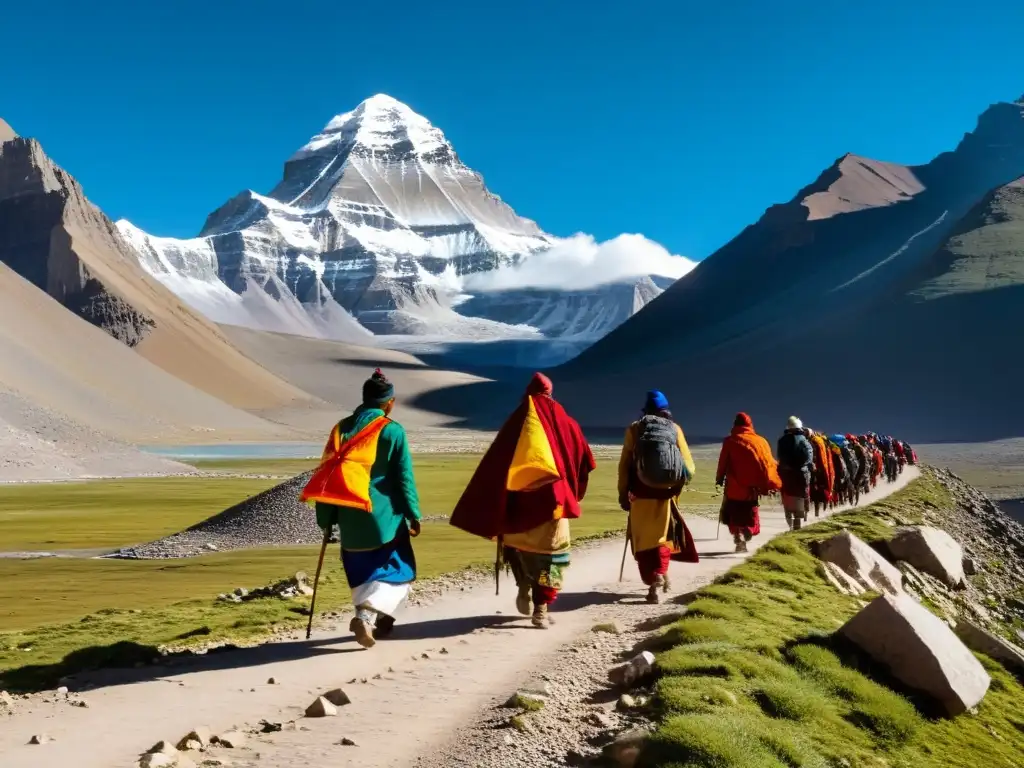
{"x": 649, "y": 518}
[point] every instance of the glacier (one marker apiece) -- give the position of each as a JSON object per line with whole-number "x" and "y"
{"x": 377, "y": 233}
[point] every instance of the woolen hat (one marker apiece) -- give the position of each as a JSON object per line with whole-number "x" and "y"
{"x": 794, "y": 423}
{"x": 377, "y": 389}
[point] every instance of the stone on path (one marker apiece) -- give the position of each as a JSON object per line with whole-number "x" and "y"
{"x": 625, "y": 751}
{"x": 63, "y": 690}
{"x": 162, "y": 748}
{"x": 40, "y": 738}
{"x": 930, "y": 550}
{"x": 993, "y": 646}
{"x": 337, "y": 697}
{"x": 862, "y": 563}
{"x": 633, "y": 671}
{"x": 609, "y": 628}
{"x": 6, "y": 700}
{"x": 920, "y": 650}
{"x": 158, "y": 760}
{"x": 230, "y": 739}
{"x": 346, "y": 742}
{"x": 202, "y": 734}
{"x": 321, "y": 708}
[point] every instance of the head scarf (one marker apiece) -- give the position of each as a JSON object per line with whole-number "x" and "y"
{"x": 742, "y": 420}
{"x": 540, "y": 385}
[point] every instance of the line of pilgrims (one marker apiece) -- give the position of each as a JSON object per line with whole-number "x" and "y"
{"x": 531, "y": 481}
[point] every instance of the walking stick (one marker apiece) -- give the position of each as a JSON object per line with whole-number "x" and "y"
{"x": 625, "y": 547}
{"x": 316, "y": 580}
{"x": 497, "y": 566}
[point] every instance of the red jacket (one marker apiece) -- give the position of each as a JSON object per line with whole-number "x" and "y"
{"x": 747, "y": 466}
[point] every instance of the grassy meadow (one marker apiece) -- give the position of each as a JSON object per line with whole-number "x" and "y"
{"x": 754, "y": 676}
{"x": 62, "y": 614}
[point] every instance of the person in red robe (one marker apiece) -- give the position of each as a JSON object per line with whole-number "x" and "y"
{"x": 526, "y": 489}
{"x": 748, "y": 470}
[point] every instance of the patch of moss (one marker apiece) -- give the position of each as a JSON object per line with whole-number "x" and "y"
{"x": 757, "y": 678}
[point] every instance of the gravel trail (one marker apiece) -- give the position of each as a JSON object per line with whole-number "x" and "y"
{"x": 424, "y": 697}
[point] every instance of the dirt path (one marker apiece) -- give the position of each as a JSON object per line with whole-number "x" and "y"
{"x": 447, "y": 662}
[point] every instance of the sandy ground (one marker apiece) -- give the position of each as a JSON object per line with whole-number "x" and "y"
{"x": 334, "y": 372}
{"x": 446, "y": 664}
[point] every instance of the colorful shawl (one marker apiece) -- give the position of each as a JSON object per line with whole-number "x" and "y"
{"x": 746, "y": 463}
{"x": 823, "y": 467}
{"x": 535, "y": 471}
{"x": 343, "y": 477}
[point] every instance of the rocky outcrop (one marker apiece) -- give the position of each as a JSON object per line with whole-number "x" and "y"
{"x": 861, "y": 563}
{"x": 931, "y": 550}
{"x": 992, "y": 645}
{"x": 920, "y": 651}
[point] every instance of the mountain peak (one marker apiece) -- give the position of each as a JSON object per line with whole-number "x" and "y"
{"x": 378, "y": 125}
{"x": 6, "y": 132}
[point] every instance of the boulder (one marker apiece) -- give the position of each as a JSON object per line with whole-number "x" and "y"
{"x": 321, "y": 708}
{"x": 920, "y": 651}
{"x": 337, "y": 697}
{"x": 163, "y": 748}
{"x": 863, "y": 564}
{"x": 634, "y": 671}
{"x": 981, "y": 640}
{"x": 202, "y": 734}
{"x": 625, "y": 751}
{"x": 930, "y": 550}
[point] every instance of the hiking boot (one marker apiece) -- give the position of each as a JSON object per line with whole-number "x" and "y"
{"x": 797, "y": 523}
{"x": 362, "y": 627}
{"x": 385, "y": 626}
{"x": 540, "y": 616}
{"x": 741, "y": 545}
{"x": 523, "y": 600}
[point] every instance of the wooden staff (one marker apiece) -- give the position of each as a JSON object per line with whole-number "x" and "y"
{"x": 316, "y": 580}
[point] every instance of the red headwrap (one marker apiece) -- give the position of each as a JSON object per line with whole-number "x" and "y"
{"x": 540, "y": 385}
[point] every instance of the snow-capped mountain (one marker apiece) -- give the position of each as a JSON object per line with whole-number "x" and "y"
{"x": 375, "y": 228}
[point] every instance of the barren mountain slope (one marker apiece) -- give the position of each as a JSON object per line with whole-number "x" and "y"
{"x": 57, "y": 360}
{"x": 56, "y": 239}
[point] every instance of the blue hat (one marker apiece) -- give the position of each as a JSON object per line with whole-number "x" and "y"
{"x": 656, "y": 401}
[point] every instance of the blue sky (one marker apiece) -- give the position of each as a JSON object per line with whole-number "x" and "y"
{"x": 679, "y": 120}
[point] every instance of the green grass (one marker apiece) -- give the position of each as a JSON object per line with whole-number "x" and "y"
{"x": 60, "y": 614}
{"x": 754, "y": 675}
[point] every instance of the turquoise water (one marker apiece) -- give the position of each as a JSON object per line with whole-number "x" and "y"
{"x": 237, "y": 451}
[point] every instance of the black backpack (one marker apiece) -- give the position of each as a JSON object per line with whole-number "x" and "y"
{"x": 659, "y": 462}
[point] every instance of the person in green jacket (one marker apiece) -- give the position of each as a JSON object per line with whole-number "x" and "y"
{"x": 376, "y": 527}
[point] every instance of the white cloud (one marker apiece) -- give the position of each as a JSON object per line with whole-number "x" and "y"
{"x": 580, "y": 262}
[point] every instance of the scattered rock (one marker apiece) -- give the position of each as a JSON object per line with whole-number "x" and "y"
{"x": 970, "y": 567}
{"x": 6, "y": 701}
{"x": 202, "y": 734}
{"x": 230, "y": 740}
{"x": 625, "y": 751}
{"x": 62, "y": 691}
{"x": 190, "y": 746}
{"x": 993, "y": 646}
{"x": 531, "y": 702}
{"x": 346, "y": 742}
{"x": 268, "y": 727}
{"x": 40, "y": 738}
{"x": 609, "y": 628}
{"x": 157, "y": 760}
{"x": 930, "y": 550}
{"x": 163, "y": 748}
{"x": 919, "y": 650}
{"x": 209, "y": 546}
{"x": 862, "y": 563}
{"x": 80, "y": 703}
{"x": 637, "y": 669}
{"x": 601, "y": 720}
{"x": 337, "y": 697}
{"x": 626, "y": 702}
{"x": 272, "y": 681}
{"x": 321, "y": 708}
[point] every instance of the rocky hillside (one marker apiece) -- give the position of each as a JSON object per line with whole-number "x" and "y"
{"x": 52, "y": 236}
{"x": 879, "y": 295}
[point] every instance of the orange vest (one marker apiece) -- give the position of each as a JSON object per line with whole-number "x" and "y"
{"x": 343, "y": 477}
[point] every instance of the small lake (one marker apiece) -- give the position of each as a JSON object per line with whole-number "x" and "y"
{"x": 237, "y": 451}
{"x": 1014, "y": 508}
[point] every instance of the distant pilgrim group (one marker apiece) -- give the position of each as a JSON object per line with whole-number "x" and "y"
{"x": 531, "y": 481}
